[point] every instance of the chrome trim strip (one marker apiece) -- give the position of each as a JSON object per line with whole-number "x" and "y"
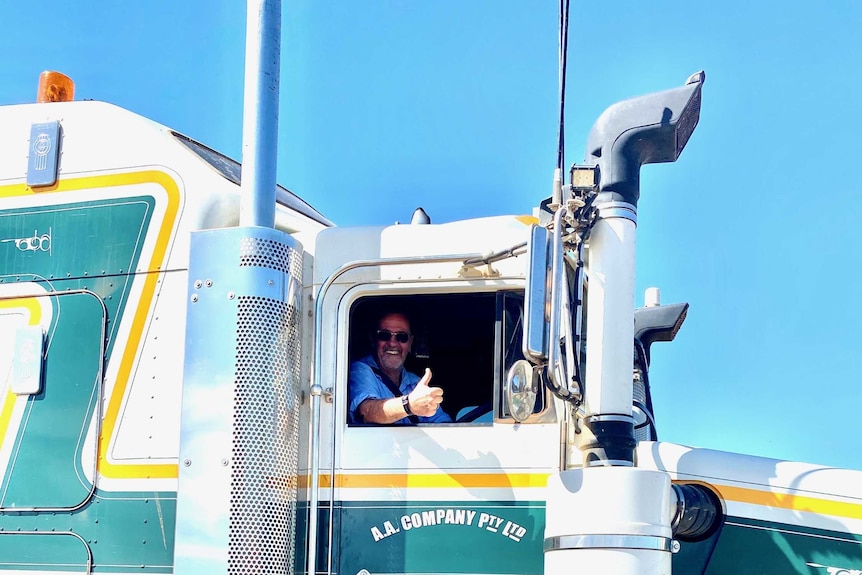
{"x": 618, "y": 210}
{"x": 610, "y": 463}
{"x": 610, "y": 417}
{"x": 54, "y": 533}
{"x": 646, "y": 542}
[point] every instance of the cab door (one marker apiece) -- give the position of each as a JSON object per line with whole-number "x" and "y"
{"x": 461, "y": 497}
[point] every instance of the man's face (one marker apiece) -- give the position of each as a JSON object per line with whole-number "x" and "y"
{"x": 392, "y": 353}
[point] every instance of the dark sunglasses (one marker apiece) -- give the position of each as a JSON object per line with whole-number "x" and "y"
{"x": 386, "y": 335}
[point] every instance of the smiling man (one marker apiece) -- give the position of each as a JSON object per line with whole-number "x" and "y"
{"x": 382, "y": 390}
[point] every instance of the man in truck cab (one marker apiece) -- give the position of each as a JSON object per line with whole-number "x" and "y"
{"x": 382, "y": 391}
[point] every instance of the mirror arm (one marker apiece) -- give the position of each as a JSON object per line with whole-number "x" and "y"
{"x": 558, "y": 373}
{"x": 554, "y": 329}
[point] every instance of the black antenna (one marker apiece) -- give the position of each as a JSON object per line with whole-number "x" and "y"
{"x": 557, "y": 196}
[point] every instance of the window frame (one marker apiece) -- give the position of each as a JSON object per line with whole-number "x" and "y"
{"x": 360, "y": 311}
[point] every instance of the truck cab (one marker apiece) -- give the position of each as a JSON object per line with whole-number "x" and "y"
{"x": 466, "y": 485}
{"x": 176, "y": 385}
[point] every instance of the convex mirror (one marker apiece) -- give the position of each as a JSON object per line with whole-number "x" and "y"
{"x": 521, "y": 390}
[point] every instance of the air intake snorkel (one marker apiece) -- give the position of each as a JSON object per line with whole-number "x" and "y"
{"x": 648, "y": 129}
{"x": 644, "y": 130}
{"x": 608, "y": 511}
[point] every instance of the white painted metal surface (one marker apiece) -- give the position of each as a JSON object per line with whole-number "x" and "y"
{"x": 610, "y": 317}
{"x": 612, "y": 519}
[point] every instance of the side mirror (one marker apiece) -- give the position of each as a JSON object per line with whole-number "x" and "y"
{"x": 537, "y": 301}
{"x": 521, "y": 390}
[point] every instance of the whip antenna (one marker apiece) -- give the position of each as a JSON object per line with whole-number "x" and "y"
{"x": 557, "y": 196}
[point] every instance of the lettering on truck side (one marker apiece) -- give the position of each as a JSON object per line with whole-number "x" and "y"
{"x": 435, "y": 517}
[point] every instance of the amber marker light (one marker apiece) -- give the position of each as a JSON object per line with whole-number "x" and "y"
{"x": 55, "y": 87}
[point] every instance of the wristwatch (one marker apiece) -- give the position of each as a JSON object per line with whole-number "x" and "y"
{"x": 405, "y": 403}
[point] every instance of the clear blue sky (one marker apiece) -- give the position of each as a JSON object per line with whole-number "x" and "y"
{"x": 452, "y": 105}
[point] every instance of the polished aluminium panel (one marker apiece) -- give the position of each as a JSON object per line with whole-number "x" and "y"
{"x": 236, "y": 509}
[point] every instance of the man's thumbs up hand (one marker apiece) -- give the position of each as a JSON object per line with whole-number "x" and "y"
{"x": 425, "y": 399}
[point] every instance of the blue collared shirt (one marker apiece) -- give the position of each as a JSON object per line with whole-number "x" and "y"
{"x": 364, "y": 383}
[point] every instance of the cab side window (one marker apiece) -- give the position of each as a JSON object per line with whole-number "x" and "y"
{"x": 453, "y": 334}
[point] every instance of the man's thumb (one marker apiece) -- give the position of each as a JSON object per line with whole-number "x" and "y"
{"x": 425, "y": 378}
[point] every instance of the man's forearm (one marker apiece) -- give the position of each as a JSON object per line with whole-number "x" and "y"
{"x": 382, "y": 410}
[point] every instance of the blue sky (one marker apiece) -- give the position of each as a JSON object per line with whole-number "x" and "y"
{"x": 452, "y": 105}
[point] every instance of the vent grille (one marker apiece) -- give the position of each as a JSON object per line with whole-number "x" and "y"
{"x": 263, "y": 253}
{"x": 265, "y": 450}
